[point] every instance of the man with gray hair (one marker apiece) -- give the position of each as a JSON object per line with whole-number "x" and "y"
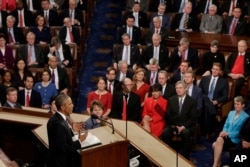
{"x": 123, "y": 71}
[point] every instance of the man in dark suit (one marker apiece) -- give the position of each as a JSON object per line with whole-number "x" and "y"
{"x": 157, "y": 29}
{"x": 228, "y": 6}
{"x": 24, "y": 17}
{"x": 73, "y": 13}
{"x": 238, "y": 66}
{"x": 32, "y": 5}
{"x": 235, "y": 25}
{"x": 158, "y": 51}
{"x": 184, "y": 21}
{"x": 61, "y": 51}
{"x": 184, "y": 52}
{"x": 29, "y": 97}
{"x": 3, "y": 15}
{"x": 61, "y": 78}
{"x": 180, "y": 72}
{"x": 203, "y": 6}
{"x": 179, "y": 5}
{"x": 132, "y": 110}
{"x": 50, "y": 16}
{"x": 152, "y": 73}
{"x": 141, "y": 19}
{"x": 143, "y": 3}
{"x": 33, "y": 54}
{"x": 62, "y": 149}
{"x": 112, "y": 83}
{"x": 69, "y": 34}
{"x": 128, "y": 52}
{"x": 215, "y": 90}
{"x": 133, "y": 31}
{"x": 123, "y": 71}
{"x": 168, "y": 90}
{"x": 181, "y": 118}
{"x": 153, "y": 6}
{"x": 11, "y": 98}
{"x": 12, "y": 34}
{"x": 165, "y": 18}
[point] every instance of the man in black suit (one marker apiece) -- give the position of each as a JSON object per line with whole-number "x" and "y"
{"x": 180, "y": 118}
{"x": 50, "y": 16}
{"x": 29, "y": 97}
{"x": 215, "y": 90}
{"x": 184, "y": 52}
{"x": 32, "y": 5}
{"x": 235, "y": 24}
{"x": 132, "y": 110}
{"x": 3, "y": 15}
{"x": 133, "y": 31}
{"x": 157, "y": 29}
{"x": 168, "y": 90}
{"x": 73, "y": 13}
{"x": 123, "y": 71}
{"x": 12, "y": 34}
{"x": 128, "y": 52}
{"x": 153, "y": 6}
{"x": 238, "y": 66}
{"x": 152, "y": 73}
{"x": 179, "y": 5}
{"x": 24, "y": 17}
{"x": 61, "y": 51}
{"x": 62, "y": 148}
{"x": 33, "y": 54}
{"x": 141, "y": 19}
{"x": 158, "y": 51}
{"x": 180, "y": 72}
{"x": 69, "y": 34}
{"x": 112, "y": 83}
{"x": 184, "y": 21}
{"x": 203, "y": 6}
{"x": 11, "y": 98}
{"x": 165, "y": 18}
{"x": 61, "y": 78}
{"x": 228, "y": 6}
{"x": 143, "y": 3}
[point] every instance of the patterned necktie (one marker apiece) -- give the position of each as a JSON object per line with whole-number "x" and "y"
{"x": 152, "y": 78}
{"x": 185, "y": 24}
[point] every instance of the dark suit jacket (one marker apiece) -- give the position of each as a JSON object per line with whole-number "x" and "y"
{"x": 75, "y": 32}
{"x": 36, "y": 4}
{"x": 241, "y": 27}
{"x": 116, "y": 85}
{"x": 66, "y": 54}
{"x": 202, "y": 5}
{"x": 176, "y": 77}
{"x": 136, "y": 35}
{"x": 134, "y": 54}
{"x": 133, "y": 107}
{"x": 177, "y": 3}
{"x": 166, "y": 23}
{"x": 3, "y": 17}
{"x": 150, "y": 33}
{"x": 192, "y": 22}
{"x": 186, "y": 118}
{"x": 78, "y": 16}
{"x": 53, "y": 17}
{"x": 40, "y": 57}
{"x": 197, "y": 96}
{"x": 209, "y": 58}
{"x": 129, "y": 74}
{"x": 28, "y": 17}
{"x": 227, "y": 3}
{"x": 192, "y": 57}
{"x": 142, "y": 19}
{"x": 18, "y": 35}
{"x": 169, "y": 91}
{"x": 153, "y": 6}
{"x": 61, "y": 146}
{"x": 164, "y": 59}
{"x": 19, "y": 106}
{"x": 231, "y": 60}
{"x": 221, "y": 89}
{"x": 35, "y": 98}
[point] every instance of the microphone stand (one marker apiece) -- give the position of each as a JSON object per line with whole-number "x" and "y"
{"x": 103, "y": 119}
{"x": 126, "y": 124}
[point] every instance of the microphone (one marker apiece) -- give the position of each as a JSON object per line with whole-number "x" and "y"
{"x": 104, "y": 120}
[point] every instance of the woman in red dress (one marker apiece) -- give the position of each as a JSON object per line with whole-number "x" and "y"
{"x": 154, "y": 110}
{"x": 141, "y": 87}
{"x": 102, "y": 95}
{"x": 8, "y": 5}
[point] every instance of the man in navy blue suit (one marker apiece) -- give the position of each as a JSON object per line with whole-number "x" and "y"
{"x": 165, "y": 18}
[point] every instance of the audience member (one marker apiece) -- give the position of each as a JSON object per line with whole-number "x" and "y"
{"x": 141, "y": 19}
{"x": 20, "y": 70}
{"x": 152, "y": 73}
{"x": 50, "y": 16}
{"x": 235, "y": 24}
{"x": 111, "y": 82}
{"x": 140, "y": 86}
{"x": 28, "y": 97}
{"x": 153, "y": 6}
{"x": 154, "y": 111}
{"x": 102, "y": 95}
{"x": 69, "y": 34}
{"x": 62, "y": 148}
{"x": 229, "y": 5}
{"x": 41, "y": 31}
{"x": 61, "y": 51}
{"x": 178, "y": 6}
{"x": 6, "y": 83}
{"x": 211, "y": 23}
{"x": 184, "y": 52}
{"x": 179, "y": 74}
{"x": 82, "y": 5}
{"x": 211, "y": 57}
{"x": 126, "y": 104}
{"x": 215, "y": 90}
{"x": 6, "y": 55}
{"x": 11, "y": 98}
{"x": 96, "y": 108}
{"x": 158, "y": 51}
{"x": 123, "y": 71}
{"x": 143, "y": 3}
{"x": 59, "y": 76}
{"x": 3, "y": 15}
{"x": 180, "y": 118}
{"x": 10, "y": 6}
{"x": 238, "y": 66}
{"x": 128, "y": 52}
{"x": 33, "y": 54}
{"x": 203, "y": 6}
{"x": 134, "y": 32}
{"x": 46, "y": 88}
{"x": 230, "y": 135}
{"x": 165, "y": 18}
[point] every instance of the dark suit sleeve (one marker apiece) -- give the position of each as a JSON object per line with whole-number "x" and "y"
{"x": 67, "y": 55}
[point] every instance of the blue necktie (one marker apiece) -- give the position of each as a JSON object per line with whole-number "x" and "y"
{"x": 211, "y": 90}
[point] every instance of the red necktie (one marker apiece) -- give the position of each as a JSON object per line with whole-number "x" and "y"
{"x": 124, "y": 109}
{"x": 71, "y": 35}
{"x": 20, "y": 19}
{"x": 27, "y": 99}
{"x": 234, "y": 24}
{"x": 152, "y": 79}
{"x": 11, "y": 40}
